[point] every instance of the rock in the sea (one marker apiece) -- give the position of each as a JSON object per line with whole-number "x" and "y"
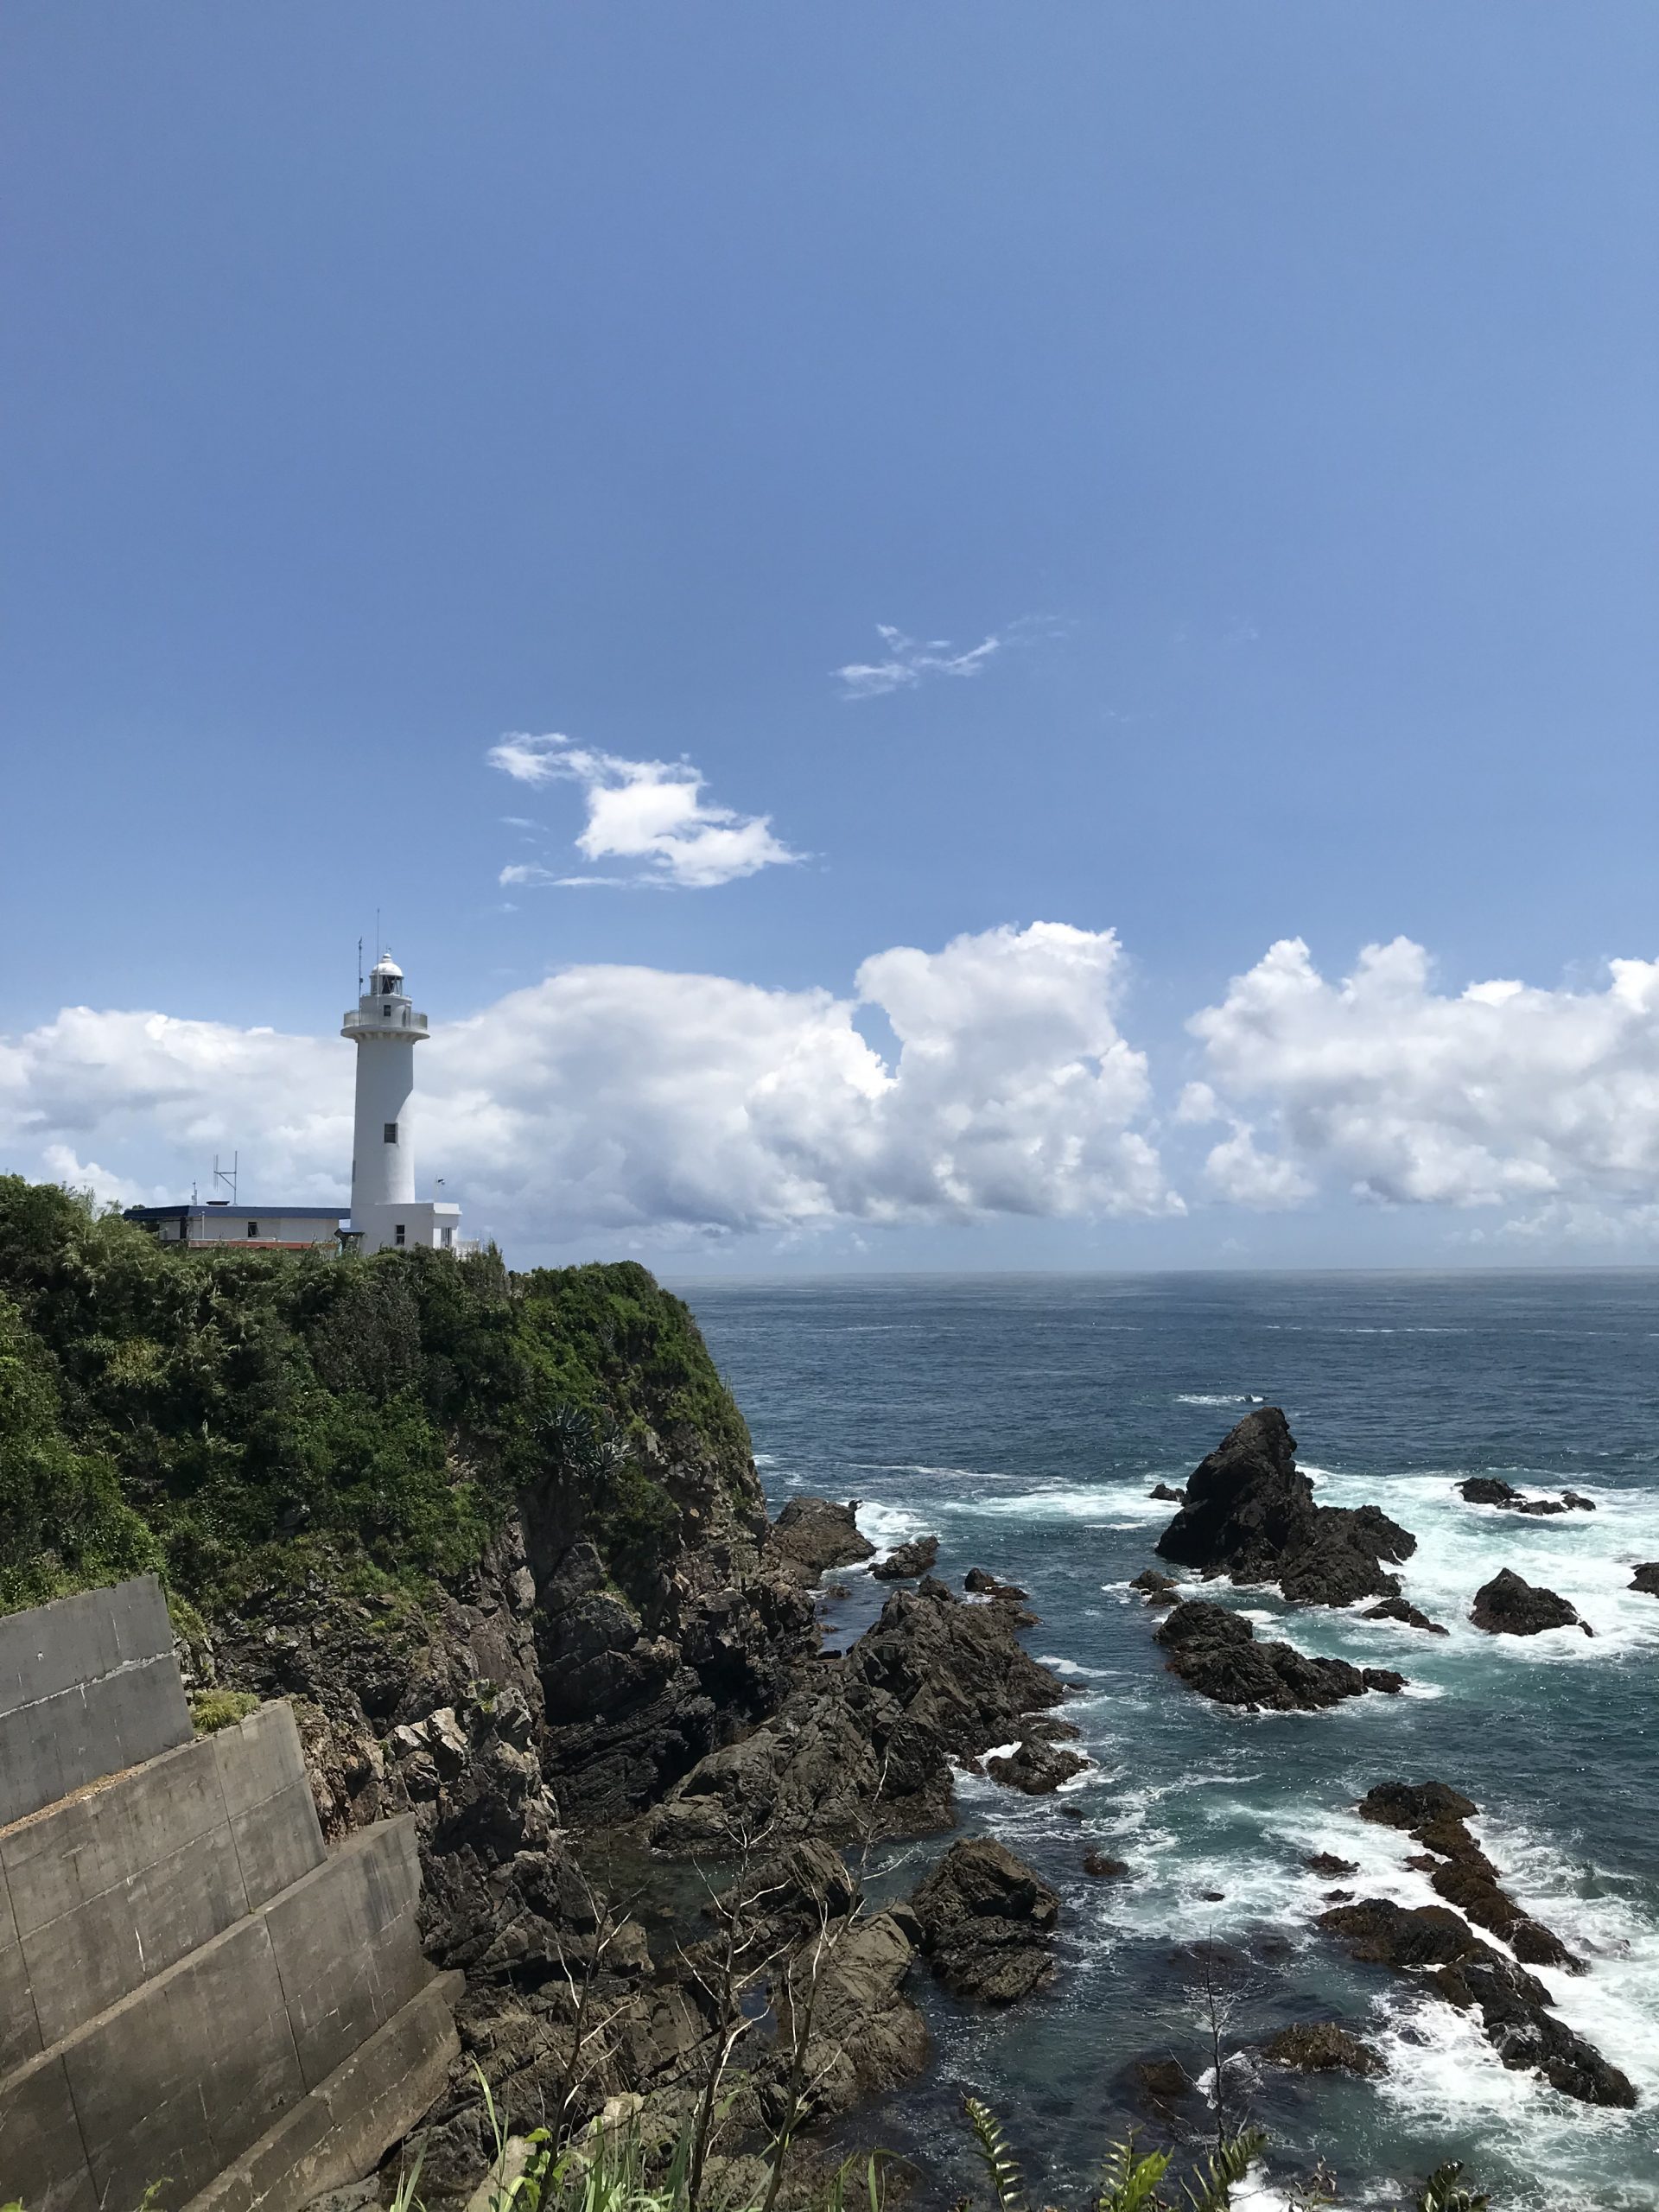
{"x": 1104, "y": 1867}
{"x": 868, "y": 1739}
{"x": 1216, "y": 1652}
{"x": 1040, "y": 1764}
{"x": 908, "y": 1562}
{"x": 1439, "y": 1946}
{"x": 1166, "y": 1496}
{"x": 1508, "y": 1606}
{"x": 1163, "y": 2083}
{"x": 1401, "y": 1609}
{"x": 987, "y": 1924}
{"x": 1646, "y": 1579}
{"x": 1322, "y": 2047}
{"x": 1434, "y": 1815}
{"x": 812, "y": 1533}
{"x": 1249, "y": 1514}
{"x": 1327, "y": 1863}
{"x": 1491, "y": 1489}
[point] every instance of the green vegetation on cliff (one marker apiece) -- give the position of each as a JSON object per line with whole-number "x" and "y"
{"x": 236, "y": 1417}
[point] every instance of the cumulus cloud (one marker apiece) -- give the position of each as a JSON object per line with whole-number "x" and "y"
{"x": 907, "y": 662}
{"x": 615, "y": 1099}
{"x": 650, "y": 813}
{"x": 1499, "y": 1094}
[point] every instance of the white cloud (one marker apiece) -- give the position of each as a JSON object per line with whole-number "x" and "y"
{"x": 650, "y": 812}
{"x": 1500, "y": 1093}
{"x": 907, "y": 661}
{"x": 613, "y": 1099}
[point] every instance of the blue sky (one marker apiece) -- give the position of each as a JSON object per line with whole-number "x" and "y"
{"x": 1274, "y": 384}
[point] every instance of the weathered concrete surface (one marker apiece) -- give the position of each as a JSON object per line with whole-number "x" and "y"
{"x": 114, "y": 1885}
{"x": 344, "y": 2126}
{"x": 181, "y": 2078}
{"x": 88, "y": 1685}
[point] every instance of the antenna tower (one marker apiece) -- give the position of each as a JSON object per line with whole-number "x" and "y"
{"x": 226, "y": 1175}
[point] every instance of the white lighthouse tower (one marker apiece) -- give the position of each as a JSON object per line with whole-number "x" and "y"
{"x": 385, "y": 1212}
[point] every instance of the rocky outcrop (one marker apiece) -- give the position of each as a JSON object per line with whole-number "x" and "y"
{"x": 987, "y": 1924}
{"x": 1166, "y": 1496}
{"x": 1216, "y": 1652}
{"x": 867, "y": 1741}
{"x": 1437, "y": 1946}
{"x": 1250, "y": 1515}
{"x": 1157, "y": 1590}
{"x": 812, "y": 1535}
{"x": 1322, "y": 2047}
{"x": 1492, "y": 1490}
{"x": 1646, "y": 1579}
{"x": 1401, "y": 1609}
{"x": 1103, "y": 1867}
{"x": 1508, "y": 1606}
{"x": 1328, "y": 1864}
{"x": 1434, "y": 1816}
{"x": 908, "y": 1562}
{"x": 1042, "y": 1762}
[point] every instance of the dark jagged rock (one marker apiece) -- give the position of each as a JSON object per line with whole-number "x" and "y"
{"x": 1163, "y": 2083}
{"x": 908, "y": 1562}
{"x": 1438, "y": 1945}
{"x": 1216, "y": 1652}
{"x": 1646, "y": 1579}
{"x": 1041, "y": 1763}
{"x": 1401, "y": 1609}
{"x": 1151, "y": 1584}
{"x": 813, "y": 1533}
{"x": 1327, "y": 1863}
{"x": 933, "y": 1680}
{"x": 1104, "y": 1867}
{"x": 1322, "y": 2047}
{"x": 1488, "y": 1489}
{"x": 987, "y": 1924}
{"x": 1166, "y": 1496}
{"x": 1508, "y": 1606}
{"x": 1249, "y": 1514}
{"x": 1491, "y": 1489}
{"x": 1433, "y": 1814}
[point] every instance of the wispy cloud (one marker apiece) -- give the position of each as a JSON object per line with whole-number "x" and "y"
{"x": 907, "y": 661}
{"x": 650, "y": 813}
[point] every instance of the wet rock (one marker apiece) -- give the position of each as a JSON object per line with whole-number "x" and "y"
{"x": 987, "y": 1924}
{"x": 1326, "y": 1862}
{"x": 1338, "y": 1897}
{"x": 1322, "y": 2047}
{"x": 1433, "y": 1814}
{"x": 1104, "y": 1867}
{"x": 1384, "y": 1679}
{"x": 983, "y": 1584}
{"x": 1216, "y": 1652}
{"x": 1577, "y": 1502}
{"x": 1040, "y": 1764}
{"x": 1167, "y": 1496}
{"x": 812, "y": 1533}
{"x": 1508, "y": 1606}
{"x": 1400, "y": 1609}
{"x": 1437, "y": 1946}
{"x": 868, "y": 1739}
{"x": 1152, "y": 1585}
{"x": 1488, "y": 1489}
{"x": 1163, "y": 2081}
{"x": 1249, "y": 1514}
{"x": 1646, "y": 1579}
{"x": 908, "y": 1562}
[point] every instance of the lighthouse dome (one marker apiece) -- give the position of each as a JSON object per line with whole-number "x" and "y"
{"x": 385, "y": 965}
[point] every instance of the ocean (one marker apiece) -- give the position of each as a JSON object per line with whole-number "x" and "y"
{"x": 1023, "y": 1420}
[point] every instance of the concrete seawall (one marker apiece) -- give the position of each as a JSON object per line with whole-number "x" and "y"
{"x": 194, "y": 1991}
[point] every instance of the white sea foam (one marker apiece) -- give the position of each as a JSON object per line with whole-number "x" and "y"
{"x": 1060, "y": 1502}
{"x": 1215, "y": 1398}
{"x": 887, "y": 1526}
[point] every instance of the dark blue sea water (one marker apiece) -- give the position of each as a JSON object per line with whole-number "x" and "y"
{"x": 1024, "y": 1418}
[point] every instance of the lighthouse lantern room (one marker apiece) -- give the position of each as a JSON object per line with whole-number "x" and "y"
{"x": 386, "y": 1029}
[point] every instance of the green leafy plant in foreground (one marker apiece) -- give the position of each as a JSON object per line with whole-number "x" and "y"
{"x": 1129, "y": 2179}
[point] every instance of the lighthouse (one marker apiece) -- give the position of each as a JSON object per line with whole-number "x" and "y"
{"x": 385, "y": 1212}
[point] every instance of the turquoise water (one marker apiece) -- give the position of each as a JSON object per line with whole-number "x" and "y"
{"x": 1024, "y": 1420}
